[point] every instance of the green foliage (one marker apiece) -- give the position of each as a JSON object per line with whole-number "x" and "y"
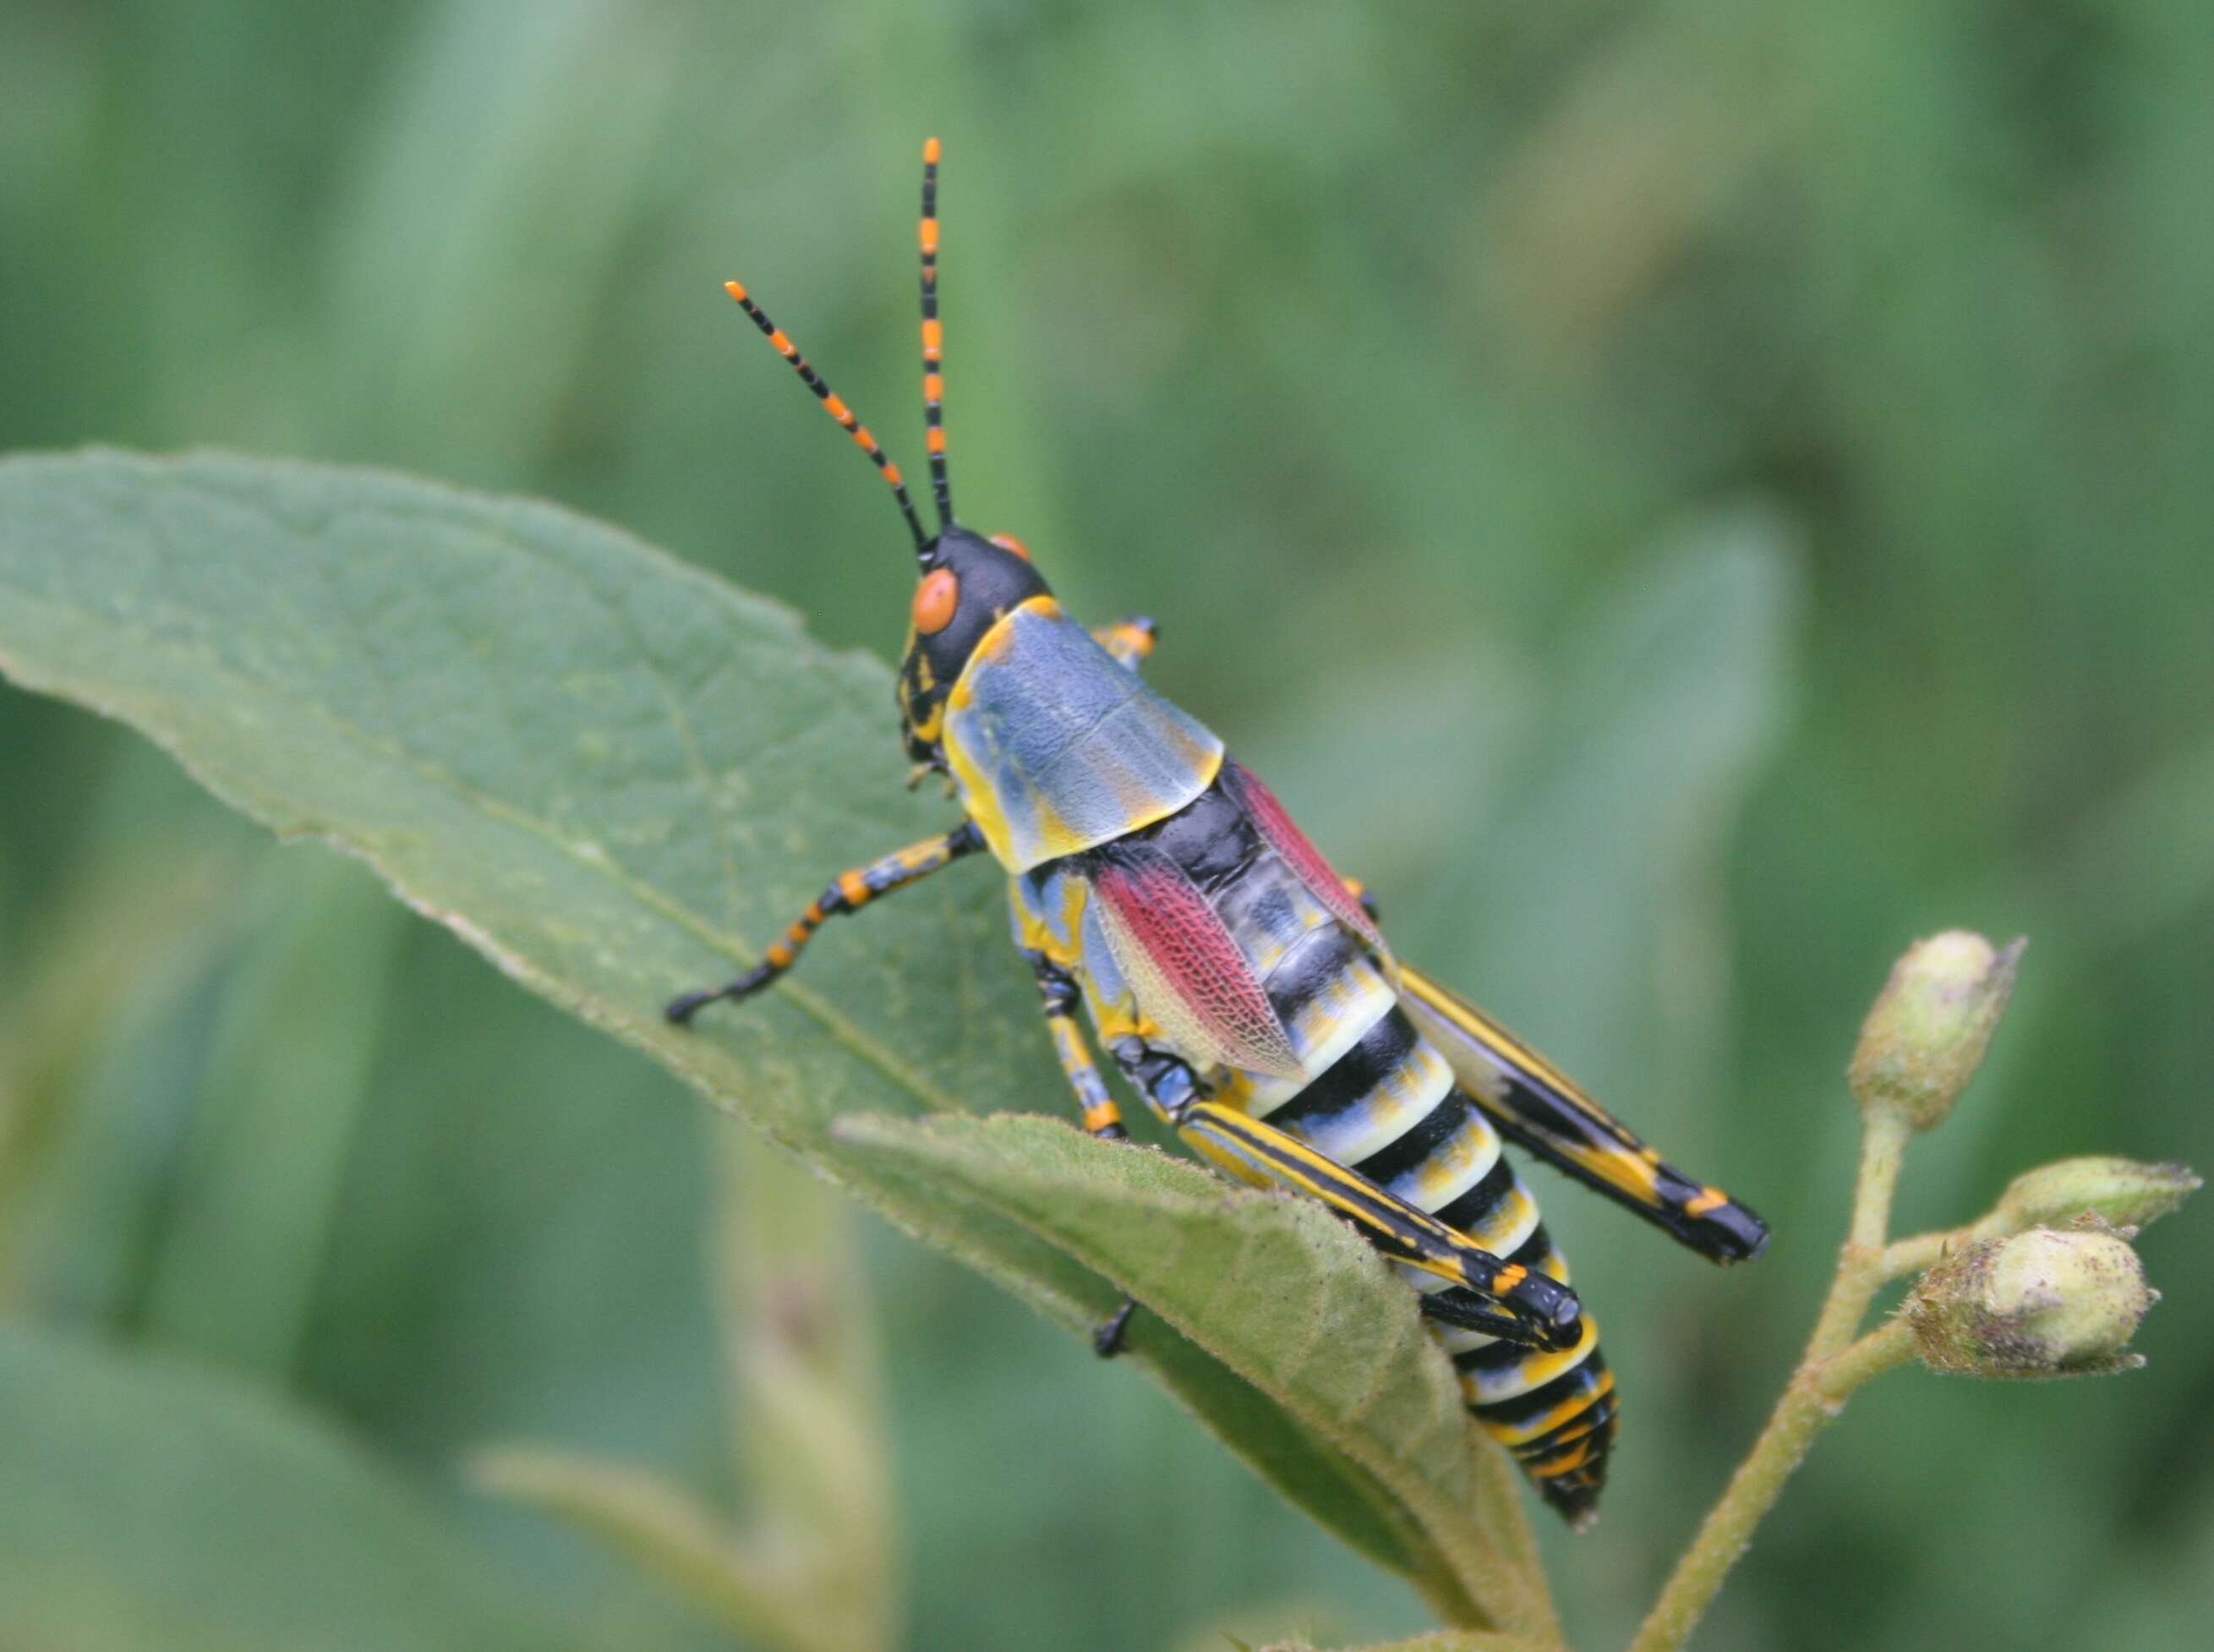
{"x": 152, "y": 1504}
{"x": 1379, "y": 354}
{"x": 814, "y": 1568}
{"x": 1283, "y": 1294}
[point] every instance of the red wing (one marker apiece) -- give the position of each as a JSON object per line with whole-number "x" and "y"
{"x": 1187, "y": 973}
{"x": 1284, "y": 836}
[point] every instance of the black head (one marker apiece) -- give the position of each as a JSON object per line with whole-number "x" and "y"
{"x": 967, "y": 582}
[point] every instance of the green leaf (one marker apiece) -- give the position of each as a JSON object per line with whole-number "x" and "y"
{"x": 111, "y": 933}
{"x": 812, "y": 1568}
{"x": 804, "y": 1367}
{"x": 669, "y": 1535}
{"x": 618, "y": 778}
{"x": 245, "y": 1230}
{"x": 151, "y": 1504}
{"x": 1277, "y": 1290}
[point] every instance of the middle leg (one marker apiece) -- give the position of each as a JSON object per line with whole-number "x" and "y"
{"x": 1058, "y": 993}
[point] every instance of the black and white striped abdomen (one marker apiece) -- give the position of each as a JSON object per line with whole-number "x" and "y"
{"x": 1378, "y": 1098}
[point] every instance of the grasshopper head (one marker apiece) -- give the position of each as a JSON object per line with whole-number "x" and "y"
{"x": 969, "y": 585}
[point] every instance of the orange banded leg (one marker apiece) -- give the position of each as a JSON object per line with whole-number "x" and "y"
{"x": 1128, "y": 641}
{"x": 849, "y": 892}
{"x": 1058, "y": 989}
{"x": 1102, "y": 1118}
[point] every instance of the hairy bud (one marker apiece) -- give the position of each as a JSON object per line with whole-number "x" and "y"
{"x": 2118, "y": 1191}
{"x": 1926, "y": 1035}
{"x": 2046, "y": 1303}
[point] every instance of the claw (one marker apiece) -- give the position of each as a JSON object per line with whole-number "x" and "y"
{"x": 681, "y": 1010}
{"x": 1107, "y": 1341}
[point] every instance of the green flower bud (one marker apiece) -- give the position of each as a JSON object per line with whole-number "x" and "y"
{"x": 1925, "y": 1037}
{"x": 2046, "y": 1303}
{"x": 2118, "y": 1191}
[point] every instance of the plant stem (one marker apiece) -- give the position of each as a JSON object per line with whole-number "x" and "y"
{"x": 1833, "y": 1367}
{"x": 1860, "y": 1264}
{"x": 1925, "y": 1251}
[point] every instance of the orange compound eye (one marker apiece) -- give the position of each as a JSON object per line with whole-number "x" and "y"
{"x": 1009, "y": 543}
{"x": 935, "y": 599}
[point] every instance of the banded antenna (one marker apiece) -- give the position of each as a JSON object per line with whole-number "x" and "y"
{"x": 933, "y": 383}
{"x": 838, "y": 410}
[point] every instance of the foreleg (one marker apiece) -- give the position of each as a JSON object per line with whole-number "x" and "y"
{"x": 848, "y": 892}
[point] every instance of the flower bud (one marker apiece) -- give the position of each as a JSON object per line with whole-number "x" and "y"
{"x": 2046, "y": 1303}
{"x": 2120, "y": 1192}
{"x": 1925, "y": 1037}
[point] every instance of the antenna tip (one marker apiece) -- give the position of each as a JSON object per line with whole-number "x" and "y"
{"x": 930, "y": 151}
{"x": 736, "y": 290}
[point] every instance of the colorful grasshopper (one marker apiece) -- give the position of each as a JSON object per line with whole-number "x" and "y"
{"x": 1242, "y": 986}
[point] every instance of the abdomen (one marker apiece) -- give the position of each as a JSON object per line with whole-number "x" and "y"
{"x": 1373, "y": 1095}
{"x": 1382, "y": 1102}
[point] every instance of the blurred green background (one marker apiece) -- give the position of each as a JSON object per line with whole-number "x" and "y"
{"x": 1682, "y": 499}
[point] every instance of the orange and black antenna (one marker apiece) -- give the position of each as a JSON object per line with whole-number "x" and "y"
{"x": 839, "y": 410}
{"x": 933, "y": 385}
